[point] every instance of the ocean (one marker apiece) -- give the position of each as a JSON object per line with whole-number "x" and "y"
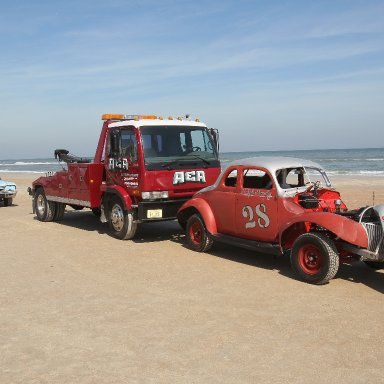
{"x": 367, "y": 162}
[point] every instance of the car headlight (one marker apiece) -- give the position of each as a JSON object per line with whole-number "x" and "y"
{"x": 154, "y": 195}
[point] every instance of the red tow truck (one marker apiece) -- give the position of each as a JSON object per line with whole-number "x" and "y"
{"x": 145, "y": 167}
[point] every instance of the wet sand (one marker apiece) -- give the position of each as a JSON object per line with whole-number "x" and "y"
{"x": 78, "y": 306}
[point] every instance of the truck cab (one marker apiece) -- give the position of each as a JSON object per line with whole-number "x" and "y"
{"x": 144, "y": 169}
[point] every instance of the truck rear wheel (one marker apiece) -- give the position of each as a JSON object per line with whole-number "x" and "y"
{"x": 45, "y": 210}
{"x": 314, "y": 258}
{"x": 59, "y": 211}
{"x": 197, "y": 235}
{"x": 121, "y": 221}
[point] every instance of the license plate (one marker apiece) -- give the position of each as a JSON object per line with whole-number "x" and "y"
{"x": 154, "y": 213}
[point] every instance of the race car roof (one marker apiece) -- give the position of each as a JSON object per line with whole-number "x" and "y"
{"x": 273, "y": 163}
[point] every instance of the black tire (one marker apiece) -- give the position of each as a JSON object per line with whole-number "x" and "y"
{"x": 8, "y": 202}
{"x": 197, "y": 236}
{"x": 96, "y": 211}
{"x": 45, "y": 210}
{"x": 59, "y": 211}
{"x": 375, "y": 264}
{"x": 121, "y": 221}
{"x": 314, "y": 258}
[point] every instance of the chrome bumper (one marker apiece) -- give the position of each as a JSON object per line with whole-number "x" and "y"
{"x": 7, "y": 194}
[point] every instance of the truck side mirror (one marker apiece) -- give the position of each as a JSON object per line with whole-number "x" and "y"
{"x": 215, "y": 136}
{"x": 114, "y": 143}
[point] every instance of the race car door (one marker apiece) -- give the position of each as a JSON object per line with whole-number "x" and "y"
{"x": 256, "y": 206}
{"x": 222, "y": 202}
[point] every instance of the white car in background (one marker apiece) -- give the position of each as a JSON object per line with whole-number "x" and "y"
{"x": 7, "y": 192}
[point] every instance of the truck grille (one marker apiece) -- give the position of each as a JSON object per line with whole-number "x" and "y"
{"x": 375, "y": 236}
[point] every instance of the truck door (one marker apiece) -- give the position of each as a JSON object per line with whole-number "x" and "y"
{"x": 256, "y": 206}
{"x": 122, "y": 158}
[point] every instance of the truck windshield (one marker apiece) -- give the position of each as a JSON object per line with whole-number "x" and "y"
{"x": 172, "y": 147}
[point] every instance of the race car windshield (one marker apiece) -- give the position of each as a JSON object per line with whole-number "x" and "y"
{"x": 302, "y": 177}
{"x": 317, "y": 175}
{"x": 177, "y": 146}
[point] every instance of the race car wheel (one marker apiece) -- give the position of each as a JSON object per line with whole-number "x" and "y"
{"x": 8, "y": 202}
{"x": 197, "y": 235}
{"x": 45, "y": 210}
{"x": 375, "y": 264}
{"x": 121, "y": 221}
{"x": 314, "y": 258}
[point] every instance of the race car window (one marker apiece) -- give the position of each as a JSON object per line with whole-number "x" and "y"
{"x": 256, "y": 179}
{"x": 231, "y": 179}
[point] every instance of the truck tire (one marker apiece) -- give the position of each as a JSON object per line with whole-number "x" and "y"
{"x": 121, "y": 221}
{"x": 314, "y": 258}
{"x": 45, "y": 210}
{"x": 96, "y": 211}
{"x": 197, "y": 236}
{"x": 8, "y": 202}
{"x": 59, "y": 211}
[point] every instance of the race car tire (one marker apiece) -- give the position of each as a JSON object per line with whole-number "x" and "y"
{"x": 314, "y": 258}
{"x": 197, "y": 236}
{"x": 121, "y": 221}
{"x": 45, "y": 210}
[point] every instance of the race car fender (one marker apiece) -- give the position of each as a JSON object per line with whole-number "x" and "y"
{"x": 200, "y": 206}
{"x": 344, "y": 228}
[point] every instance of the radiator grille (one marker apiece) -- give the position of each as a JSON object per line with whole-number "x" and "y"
{"x": 375, "y": 235}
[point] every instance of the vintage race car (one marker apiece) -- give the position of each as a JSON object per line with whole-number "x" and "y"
{"x": 7, "y": 192}
{"x": 281, "y": 205}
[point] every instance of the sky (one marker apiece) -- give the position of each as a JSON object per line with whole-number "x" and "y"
{"x": 270, "y": 75}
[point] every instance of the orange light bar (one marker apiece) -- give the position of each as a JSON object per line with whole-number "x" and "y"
{"x": 112, "y": 116}
{"x": 119, "y": 116}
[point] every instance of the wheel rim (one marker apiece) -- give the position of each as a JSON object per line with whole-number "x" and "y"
{"x": 196, "y": 232}
{"x": 117, "y": 218}
{"x": 40, "y": 205}
{"x": 310, "y": 259}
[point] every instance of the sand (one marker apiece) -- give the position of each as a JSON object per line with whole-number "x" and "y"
{"x": 78, "y": 306}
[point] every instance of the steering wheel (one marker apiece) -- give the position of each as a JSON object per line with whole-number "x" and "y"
{"x": 195, "y": 149}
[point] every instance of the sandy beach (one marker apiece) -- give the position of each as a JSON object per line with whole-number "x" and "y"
{"x": 78, "y": 306}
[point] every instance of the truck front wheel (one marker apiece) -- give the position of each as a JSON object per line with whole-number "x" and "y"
{"x": 314, "y": 258}
{"x": 121, "y": 221}
{"x": 45, "y": 210}
{"x": 197, "y": 235}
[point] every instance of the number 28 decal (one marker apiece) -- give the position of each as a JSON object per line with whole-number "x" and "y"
{"x": 261, "y": 214}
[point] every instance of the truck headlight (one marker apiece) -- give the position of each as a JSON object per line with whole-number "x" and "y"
{"x": 154, "y": 195}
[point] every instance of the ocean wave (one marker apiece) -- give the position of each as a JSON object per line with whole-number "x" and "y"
{"x": 32, "y": 163}
{"x": 27, "y": 163}
{"x": 355, "y": 173}
{"x": 371, "y": 172}
{"x": 23, "y": 171}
